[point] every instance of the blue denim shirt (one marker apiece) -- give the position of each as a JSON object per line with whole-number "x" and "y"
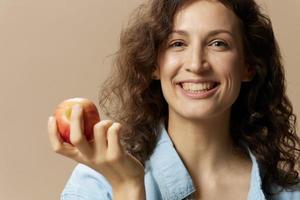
{"x": 166, "y": 178}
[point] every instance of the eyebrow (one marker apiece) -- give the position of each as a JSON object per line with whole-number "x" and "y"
{"x": 211, "y": 33}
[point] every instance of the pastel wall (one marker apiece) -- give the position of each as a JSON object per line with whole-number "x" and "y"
{"x": 53, "y": 50}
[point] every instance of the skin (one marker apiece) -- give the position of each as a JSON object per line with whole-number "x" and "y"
{"x": 104, "y": 154}
{"x": 199, "y": 128}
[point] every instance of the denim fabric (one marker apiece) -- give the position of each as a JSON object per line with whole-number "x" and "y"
{"x": 166, "y": 178}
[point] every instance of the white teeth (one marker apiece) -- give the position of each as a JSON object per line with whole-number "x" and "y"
{"x": 197, "y": 87}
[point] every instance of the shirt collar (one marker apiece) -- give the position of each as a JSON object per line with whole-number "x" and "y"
{"x": 168, "y": 170}
{"x": 255, "y": 191}
{"x": 173, "y": 178}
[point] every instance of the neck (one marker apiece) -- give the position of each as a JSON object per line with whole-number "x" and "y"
{"x": 203, "y": 145}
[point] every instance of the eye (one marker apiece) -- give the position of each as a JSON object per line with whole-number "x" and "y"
{"x": 219, "y": 43}
{"x": 177, "y": 44}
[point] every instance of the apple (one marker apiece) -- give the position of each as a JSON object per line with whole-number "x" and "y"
{"x": 63, "y": 117}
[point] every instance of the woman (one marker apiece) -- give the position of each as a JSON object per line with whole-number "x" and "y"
{"x": 199, "y": 97}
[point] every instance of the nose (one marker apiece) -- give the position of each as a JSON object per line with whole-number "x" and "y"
{"x": 196, "y": 61}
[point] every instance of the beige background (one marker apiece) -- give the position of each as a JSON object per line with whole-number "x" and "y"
{"x": 53, "y": 50}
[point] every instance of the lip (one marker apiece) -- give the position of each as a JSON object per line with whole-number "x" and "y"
{"x": 202, "y": 95}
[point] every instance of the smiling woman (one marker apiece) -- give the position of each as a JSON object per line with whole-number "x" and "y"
{"x": 199, "y": 94}
{"x": 206, "y": 69}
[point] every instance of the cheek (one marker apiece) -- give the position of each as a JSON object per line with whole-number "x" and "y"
{"x": 168, "y": 62}
{"x": 229, "y": 65}
{"x": 231, "y": 76}
{"x": 230, "y": 72}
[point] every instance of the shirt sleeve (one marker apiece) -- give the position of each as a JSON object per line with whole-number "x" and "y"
{"x": 86, "y": 184}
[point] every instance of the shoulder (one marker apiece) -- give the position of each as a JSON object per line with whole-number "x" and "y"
{"x": 292, "y": 193}
{"x": 86, "y": 184}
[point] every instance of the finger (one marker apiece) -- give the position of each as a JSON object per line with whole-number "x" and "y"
{"x": 57, "y": 143}
{"x": 114, "y": 145}
{"x": 76, "y": 132}
{"x": 100, "y": 135}
{"x": 54, "y": 137}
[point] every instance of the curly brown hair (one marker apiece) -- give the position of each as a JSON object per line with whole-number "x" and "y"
{"x": 262, "y": 117}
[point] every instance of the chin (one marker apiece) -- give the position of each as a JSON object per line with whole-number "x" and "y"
{"x": 198, "y": 114}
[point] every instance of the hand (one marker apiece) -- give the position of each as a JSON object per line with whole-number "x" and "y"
{"x": 104, "y": 154}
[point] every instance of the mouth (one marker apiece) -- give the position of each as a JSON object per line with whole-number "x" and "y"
{"x": 198, "y": 87}
{"x": 198, "y": 90}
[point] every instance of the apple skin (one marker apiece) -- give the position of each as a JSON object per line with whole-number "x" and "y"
{"x": 63, "y": 117}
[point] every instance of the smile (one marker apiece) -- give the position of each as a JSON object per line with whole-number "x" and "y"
{"x": 198, "y": 90}
{"x": 198, "y": 87}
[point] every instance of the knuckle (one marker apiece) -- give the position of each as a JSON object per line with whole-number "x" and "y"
{"x": 115, "y": 126}
{"x": 106, "y": 121}
{"x": 120, "y": 126}
{"x": 101, "y": 125}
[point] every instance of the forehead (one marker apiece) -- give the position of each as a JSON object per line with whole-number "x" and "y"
{"x": 205, "y": 15}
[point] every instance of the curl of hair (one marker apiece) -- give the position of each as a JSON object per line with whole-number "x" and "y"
{"x": 130, "y": 95}
{"x": 262, "y": 117}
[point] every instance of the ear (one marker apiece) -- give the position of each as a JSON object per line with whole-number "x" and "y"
{"x": 156, "y": 74}
{"x": 249, "y": 73}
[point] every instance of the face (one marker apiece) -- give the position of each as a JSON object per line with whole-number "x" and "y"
{"x": 201, "y": 65}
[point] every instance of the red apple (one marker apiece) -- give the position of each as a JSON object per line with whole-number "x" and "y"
{"x": 63, "y": 117}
